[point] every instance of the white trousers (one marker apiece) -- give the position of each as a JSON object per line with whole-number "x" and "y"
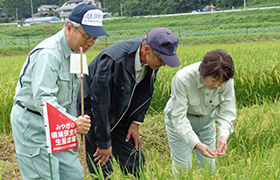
{"x": 181, "y": 152}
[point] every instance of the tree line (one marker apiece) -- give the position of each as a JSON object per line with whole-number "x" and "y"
{"x": 23, "y": 7}
{"x": 152, "y": 7}
{"x": 130, "y": 7}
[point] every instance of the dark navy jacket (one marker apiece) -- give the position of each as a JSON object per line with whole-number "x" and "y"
{"x": 111, "y": 94}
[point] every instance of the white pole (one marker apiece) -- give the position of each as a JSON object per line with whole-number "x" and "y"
{"x": 245, "y": 5}
{"x": 121, "y": 8}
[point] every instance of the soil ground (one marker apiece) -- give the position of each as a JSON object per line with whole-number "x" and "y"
{"x": 8, "y": 161}
{"x": 9, "y": 169}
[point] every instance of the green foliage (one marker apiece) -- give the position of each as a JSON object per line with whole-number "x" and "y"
{"x": 9, "y": 71}
{"x": 53, "y": 14}
{"x": 253, "y": 149}
{"x": 24, "y": 7}
{"x": 152, "y": 7}
{"x": 257, "y": 75}
{"x": 15, "y": 50}
{"x": 217, "y": 28}
{"x": 261, "y": 3}
{"x": 41, "y": 15}
{"x": 251, "y": 38}
{"x": 265, "y": 120}
{"x": 4, "y": 20}
{"x": 135, "y": 7}
{"x": 24, "y": 32}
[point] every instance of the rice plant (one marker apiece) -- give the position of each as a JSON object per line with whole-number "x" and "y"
{"x": 253, "y": 149}
{"x": 257, "y": 71}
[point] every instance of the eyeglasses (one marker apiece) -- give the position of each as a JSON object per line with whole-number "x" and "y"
{"x": 160, "y": 60}
{"x": 88, "y": 39}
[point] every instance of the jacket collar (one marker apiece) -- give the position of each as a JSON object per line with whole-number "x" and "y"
{"x": 130, "y": 60}
{"x": 200, "y": 82}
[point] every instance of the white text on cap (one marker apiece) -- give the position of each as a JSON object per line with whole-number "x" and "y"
{"x": 93, "y": 18}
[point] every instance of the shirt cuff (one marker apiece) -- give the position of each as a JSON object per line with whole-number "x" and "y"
{"x": 137, "y": 122}
{"x": 223, "y": 132}
{"x": 194, "y": 142}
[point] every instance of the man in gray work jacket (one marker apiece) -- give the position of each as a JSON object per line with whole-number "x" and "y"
{"x": 117, "y": 94}
{"x": 46, "y": 75}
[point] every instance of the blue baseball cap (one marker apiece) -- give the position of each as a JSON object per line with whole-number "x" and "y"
{"x": 90, "y": 18}
{"x": 165, "y": 42}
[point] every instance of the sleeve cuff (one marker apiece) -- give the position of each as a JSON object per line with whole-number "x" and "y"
{"x": 104, "y": 145}
{"x": 194, "y": 142}
{"x": 137, "y": 122}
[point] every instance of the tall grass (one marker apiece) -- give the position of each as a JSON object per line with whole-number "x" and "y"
{"x": 265, "y": 120}
{"x": 257, "y": 75}
{"x": 257, "y": 71}
{"x": 253, "y": 149}
{"x": 9, "y": 71}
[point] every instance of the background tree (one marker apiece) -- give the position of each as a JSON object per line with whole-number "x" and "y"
{"x": 132, "y": 7}
{"x": 112, "y": 6}
{"x": 1, "y": 4}
{"x": 23, "y": 7}
{"x": 61, "y": 2}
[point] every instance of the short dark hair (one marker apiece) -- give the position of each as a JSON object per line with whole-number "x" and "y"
{"x": 218, "y": 64}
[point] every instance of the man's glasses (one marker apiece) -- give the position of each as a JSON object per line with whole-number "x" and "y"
{"x": 88, "y": 39}
{"x": 160, "y": 60}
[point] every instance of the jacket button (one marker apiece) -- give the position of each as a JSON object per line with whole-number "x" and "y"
{"x": 122, "y": 88}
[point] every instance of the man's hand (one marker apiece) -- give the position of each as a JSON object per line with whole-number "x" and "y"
{"x": 102, "y": 155}
{"x": 221, "y": 146}
{"x": 83, "y": 124}
{"x": 205, "y": 150}
{"x": 134, "y": 132}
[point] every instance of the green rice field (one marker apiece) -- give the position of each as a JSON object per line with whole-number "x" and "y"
{"x": 254, "y": 147}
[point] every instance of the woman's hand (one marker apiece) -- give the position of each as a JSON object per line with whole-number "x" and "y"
{"x": 221, "y": 146}
{"x": 205, "y": 150}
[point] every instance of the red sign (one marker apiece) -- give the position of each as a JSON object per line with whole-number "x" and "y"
{"x": 60, "y": 130}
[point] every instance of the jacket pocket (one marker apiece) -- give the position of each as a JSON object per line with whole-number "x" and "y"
{"x": 64, "y": 87}
{"x": 123, "y": 94}
{"x": 29, "y": 162}
{"x": 20, "y": 118}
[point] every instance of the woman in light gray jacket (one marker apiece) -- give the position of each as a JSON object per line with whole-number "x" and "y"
{"x": 201, "y": 93}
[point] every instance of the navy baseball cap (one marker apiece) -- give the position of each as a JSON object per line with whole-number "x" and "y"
{"x": 90, "y": 18}
{"x": 165, "y": 42}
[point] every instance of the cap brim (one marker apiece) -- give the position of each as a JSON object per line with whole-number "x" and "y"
{"x": 171, "y": 61}
{"x": 94, "y": 30}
